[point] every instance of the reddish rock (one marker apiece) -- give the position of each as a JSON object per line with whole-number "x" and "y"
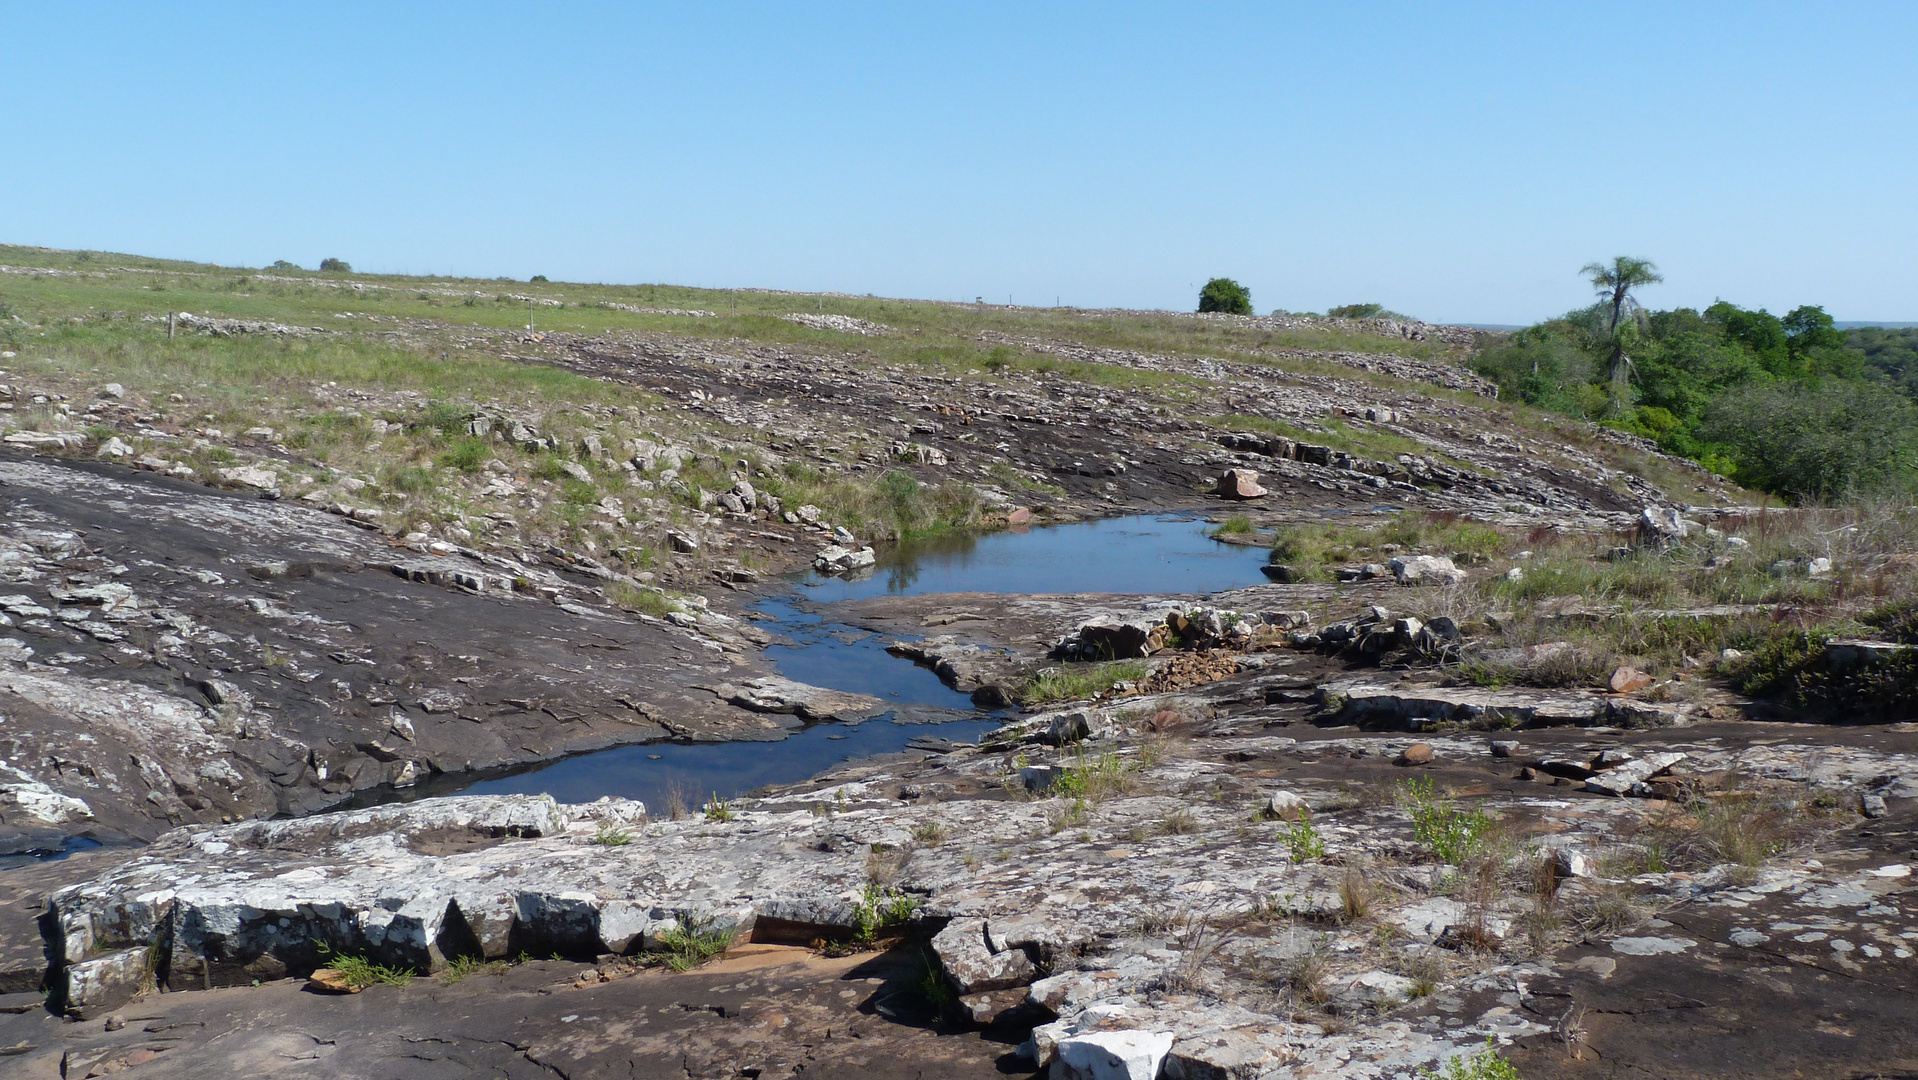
{"x": 1629, "y": 680}
{"x": 329, "y": 981}
{"x": 1020, "y": 516}
{"x": 1240, "y": 484}
{"x": 1416, "y": 754}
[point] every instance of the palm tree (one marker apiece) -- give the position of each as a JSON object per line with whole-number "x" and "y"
{"x": 1615, "y": 284}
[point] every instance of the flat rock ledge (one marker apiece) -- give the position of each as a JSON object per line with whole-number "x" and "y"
{"x": 495, "y": 876}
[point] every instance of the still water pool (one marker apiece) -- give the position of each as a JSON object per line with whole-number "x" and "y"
{"x": 1164, "y": 554}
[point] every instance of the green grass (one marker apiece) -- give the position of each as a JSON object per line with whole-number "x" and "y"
{"x": 693, "y": 944}
{"x": 1314, "y": 549}
{"x": 1094, "y": 779}
{"x": 361, "y": 972}
{"x": 611, "y": 836}
{"x": 1076, "y": 682}
{"x": 465, "y": 967}
{"x": 1234, "y": 525}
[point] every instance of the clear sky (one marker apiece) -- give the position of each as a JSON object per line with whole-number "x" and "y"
{"x": 1453, "y": 161}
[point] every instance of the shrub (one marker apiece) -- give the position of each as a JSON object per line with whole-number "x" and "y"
{"x": 336, "y": 266}
{"x": 880, "y": 911}
{"x": 282, "y": 264}
{"x": 538, "y": 278}
{"x": 1438, "y": 824}
{"x": 1487, "y": 1064}
{"x": 467, "y": 456}
{"x": 1356, "y": 311}
{"x": 1225, "y": 295}
{"x": 1303, "y": 840}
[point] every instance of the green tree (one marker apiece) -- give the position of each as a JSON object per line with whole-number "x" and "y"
{"x": 1614, "y": 285}
{"x": 339, "y": 265}
{"x": 1225, "y": 295}
{"x": 1816, "y": 347}
{"x": 1818, "y": 442}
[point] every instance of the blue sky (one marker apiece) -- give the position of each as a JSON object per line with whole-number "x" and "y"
{"x": 1456, "y": 162}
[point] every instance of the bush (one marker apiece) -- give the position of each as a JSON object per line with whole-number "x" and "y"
{"x": 1818, "y": 443}
{"x": 538, "y": 278}
{"x": 336, "y": 265}
{"x": 1356, "y": 311}
{"x": 282, "y": 264}
{"x": 1439, "y": 825}
{"x": 1226, "y": 296}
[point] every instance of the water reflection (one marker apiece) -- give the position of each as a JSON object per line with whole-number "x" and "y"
{"x": 1116, "y": 555}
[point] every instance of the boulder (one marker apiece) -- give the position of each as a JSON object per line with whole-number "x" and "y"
{"x": 114, "y": 448}
{"x": 1416, "y": 754}
{"x": 1662, "y": 527}
{"x": 970, "y": 964}
{"x": 103, "y": 982}
{"x": 1623, "y": 779}
{"x": 1288, "y": 806}
{"x": 839, "y": 559}
{"x": 1076, "y": 726}
{"x": 1629, "y": 680}
{"x": 1240, "y": 484}
{"x": 1112, "y": 1055}
{"x": 251, "y": 476}
{"x": 1425, "y": 570}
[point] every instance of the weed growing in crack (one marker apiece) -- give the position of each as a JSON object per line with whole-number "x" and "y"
{"x": 881, "y": 911}
{"x": 694, "y": 943}
{"x": 465, "y": 967}
{"x": 610, "y": 835}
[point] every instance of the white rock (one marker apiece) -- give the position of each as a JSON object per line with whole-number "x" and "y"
{"x": 114, "y": 448}
{"x": 1112, "y": 1055}
{"x": 251, "y": 476}
{"x": 1425, "y": 570}
{"x": 1288, "y": 806}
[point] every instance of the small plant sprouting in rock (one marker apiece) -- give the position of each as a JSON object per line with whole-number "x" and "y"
{"x": 465, "y": 967}
{"x": 933, "y": 986}
{"x": 716, "y": 809}
{"x": 881, "y": 911}
{"x": 1487, "y": 1064}
{"x": 1178, "y": 822}
{"x": 1302, "y": 839}
{"x": 694, "y": 943}
{"x": 610, "y": 835}
{"x": 1438, "y": 824}
{"x": 931, "y": 834}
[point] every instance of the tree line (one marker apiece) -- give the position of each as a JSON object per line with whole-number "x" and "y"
{"x": 1786, "y": 404}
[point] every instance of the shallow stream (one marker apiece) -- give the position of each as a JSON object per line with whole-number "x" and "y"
{"x": 1162, "y": 554}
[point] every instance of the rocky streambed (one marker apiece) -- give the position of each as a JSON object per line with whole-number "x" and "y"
{"x": 1274, "y": 846}
{"x": 1261, "y": 860}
